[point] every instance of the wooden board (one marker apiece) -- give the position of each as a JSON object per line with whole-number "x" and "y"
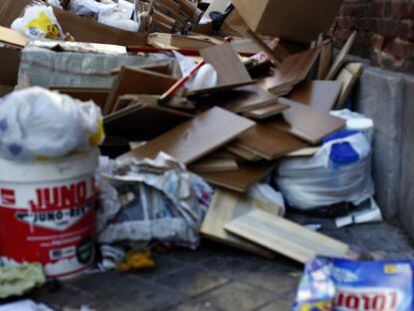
{"x": 268, "y": 142}
{"x": 240, "y": 99}
{"x": 98, "y": 96}
{"x": 293, "y": 69}
{"x": 348, "y": 76}
{"x": 321, "y": 95}
{"x": 284, "y": 236}
{"x": 12, "y": 37}
{"x": 248, "y": 174}
{"x": 225, "y": 206}
{"x": 141, "y": 122}
{"x": 325, "y": 61}
{"x": 192, "y": 140}
{"x": 307, "y": 123}
{"x": 304, "y": 152}
{"x": 138, "y": 81}
{"x": 266, "y": 112}
{"x": 340, "y": 59}
{"x": 242, "y": 153}
{"x": 208, "y": 164}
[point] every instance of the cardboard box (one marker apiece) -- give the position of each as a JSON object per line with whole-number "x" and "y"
{"x": 83, "y": 29}
{"x": 298, "y": 20}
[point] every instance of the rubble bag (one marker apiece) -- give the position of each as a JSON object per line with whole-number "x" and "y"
{"x": 47, "y": 213}
{"x": 339, "y": 172}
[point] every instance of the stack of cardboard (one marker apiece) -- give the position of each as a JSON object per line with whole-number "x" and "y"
{"x": 233, "y": 133}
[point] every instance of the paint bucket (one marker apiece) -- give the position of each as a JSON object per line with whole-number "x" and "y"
{"x": 47, "y": 213}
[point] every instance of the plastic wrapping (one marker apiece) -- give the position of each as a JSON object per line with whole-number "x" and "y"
{"x": 36, "y": 123}
{"x": 344, "y": 285}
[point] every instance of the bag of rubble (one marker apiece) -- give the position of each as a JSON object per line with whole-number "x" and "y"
{"x": 339, "y": 172}
{"x": 150, "y": 200}
{"x": 39, "y": 22}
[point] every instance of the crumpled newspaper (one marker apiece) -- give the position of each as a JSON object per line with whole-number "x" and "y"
{"x": 151, "y": 200}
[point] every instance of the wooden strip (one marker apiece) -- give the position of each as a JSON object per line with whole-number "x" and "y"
{"x": 206, "y": 165}
{"x": 194, "y": 139}
{"x": 285, "y": 237}
{"x": 266, "y": 112}
{"x": 225, "y": 206}
{"x": 321, "y": 95}
{"x": 138, "y": 81}
{"x": 12, "y": 37}
{"x": 307, "y": 123}
{"x": 348, "y": 76}
{"x": 340, "y": 59}
{"x": 241, "y": 180}
{"x": 268, "y": 142}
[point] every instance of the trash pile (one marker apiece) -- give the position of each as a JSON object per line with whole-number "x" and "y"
{"x": 212, "y": 121}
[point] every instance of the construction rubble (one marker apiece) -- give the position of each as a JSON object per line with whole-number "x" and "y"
{"x": 127, "y": 126}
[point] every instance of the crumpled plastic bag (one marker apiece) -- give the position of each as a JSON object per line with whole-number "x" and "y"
{"x": 39, "y": 22}
{"x": 36, "y": 123}
{"x": 151, "y": 200}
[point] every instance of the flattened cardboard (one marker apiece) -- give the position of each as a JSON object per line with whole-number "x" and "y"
{"x": 298, "y": 20}
{"x": 225, "y": 206}
{"x": 321, "y": 95}
{"x": 196, "y": 138}
{"x": 142, "y": 122}
{"x": 241, "y": 180}
{"x": 307, "y": 123}
{"x": 268, "y": 142}
{"x": 138, "y": 81}
{"x": 285, "y": 237}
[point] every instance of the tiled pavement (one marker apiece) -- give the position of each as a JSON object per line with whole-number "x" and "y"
{"x": 214, "y": 277}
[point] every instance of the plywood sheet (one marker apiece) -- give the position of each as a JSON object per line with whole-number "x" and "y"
{"x": 194, "y": 139}
{"x": 98, "y": 96}
{"x": 243, "y": 153}
{"x": 325, "y": 61}
{"x": 240, "y": 180}
{"x": 321, "y": 95}
{"x": 266, "y": 112}
{"x": 208, "y": 164}
{"x": 348, "y": 76}
{"x": 138, "y": 81}
{"x": 284, "y": 236}
{"x": 340, "y": 59}
{"x": 307, "y": 123}
{"x": 12, "y": 37}
{"x": 225, "y": 206}
{"x": 268, "y": 142}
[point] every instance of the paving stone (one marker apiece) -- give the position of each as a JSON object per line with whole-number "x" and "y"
{"x": 234, "y": 296}
{"x": 191, "y": 281}
{"x": 164, "y": 265}
{"x": 280, "y": 305}
{"x": 192, "y": 257}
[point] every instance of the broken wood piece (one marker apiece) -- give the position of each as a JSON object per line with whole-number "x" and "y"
{"x": 348, "y": 76}
{"x": 226, "y": 206}
{"x": 194, "y": 139}
{"x": 243, "y": 178}
{"x": 307, "y": 123}
{"x": 285, "y": 237}
{"x": 209, "y": 164}
{"x": 321, "y": 95}
{"x": 266, "y": 112}
{"x": 267, "y": 142}
{"x": 340, "y": 59}
{"x": 137, "y": 81}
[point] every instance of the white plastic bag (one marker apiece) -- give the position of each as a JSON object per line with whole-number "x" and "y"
{"x": 39, "y": 22}
{"x": 36, "y": 123}
{"x": 90, "y": 7}
{"x": 309, "y": 183}
{"x": 266, "y": 194}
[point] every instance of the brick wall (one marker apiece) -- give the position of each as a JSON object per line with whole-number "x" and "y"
{"x": 385, "y": 31}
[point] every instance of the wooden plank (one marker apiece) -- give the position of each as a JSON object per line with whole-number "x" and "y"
{"x": 141, "y": 122}
{"x": 285, "y": 237}
{"x": 325, "y": 61}
{"x": 242, "y": 153}
{"x": 266, "y": 112}
{"x": 268, "y": 142}
{"x": 12, "y": 37}
{"x": 292, "y": 70}
{"x": 192, "y": 140}
{"x": 348, "y": 76}
{"x": 98, "y": 96}
{"x": 307, "y": 123}
{"x": 321, "y": 95}
{"x": 225, "y": 206}
{"x": 138, "y": 81}
{"x": 304, "y": 152}
{"x": 241, "y": 180}
{"x": 208, "y": 164}
{"x": 340, "y": 59}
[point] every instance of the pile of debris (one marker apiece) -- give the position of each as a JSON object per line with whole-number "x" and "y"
{"x": 207, "y": 115}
